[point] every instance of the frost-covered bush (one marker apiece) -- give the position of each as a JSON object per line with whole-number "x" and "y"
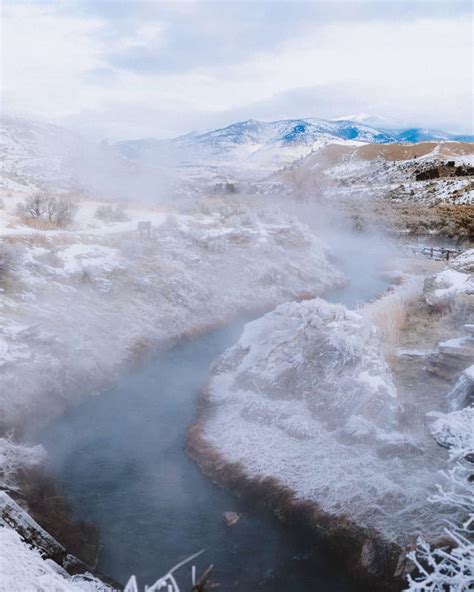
{"x": 15, "y": 457}
{"x": 10, "y": 257}
{"x": 63, "y": 212}
{"x": 449, "y": 568}
{"x": 168, "y": 581}
{"x": 111, "y": 213}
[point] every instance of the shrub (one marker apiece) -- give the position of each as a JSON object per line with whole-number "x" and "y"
{"x": 10, "y": 256}
{"x": 57, "y": 211}
{"x": 109, "y": 213}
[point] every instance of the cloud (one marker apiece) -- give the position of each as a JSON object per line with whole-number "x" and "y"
{"x": 129, "y": 69}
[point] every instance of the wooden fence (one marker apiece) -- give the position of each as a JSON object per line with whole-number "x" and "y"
{"x": 438, "y": 253}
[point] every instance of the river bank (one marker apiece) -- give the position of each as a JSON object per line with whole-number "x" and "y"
{"x": 352, "y": 481}
{"x": 78, "y": 483}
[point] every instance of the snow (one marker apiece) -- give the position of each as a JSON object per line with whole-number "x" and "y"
{"x": 464, "y": 262}
{"x": 23, "y": 568}
{"x": 455, "y": 429}
{"x": 444, "y": 287}
{"x": 469, "y": 373}
{"x": 80, "y": 257}
{"x": 86, "y": 303}
{"x": 306, "y": 398}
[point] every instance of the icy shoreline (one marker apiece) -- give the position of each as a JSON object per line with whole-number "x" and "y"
{"x": 373, "y": 562}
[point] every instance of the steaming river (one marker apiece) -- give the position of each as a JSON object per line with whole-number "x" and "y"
{"x": 120, "y": 458}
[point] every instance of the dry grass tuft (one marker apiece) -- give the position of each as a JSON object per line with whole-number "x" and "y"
{"x": 390, "y": 312}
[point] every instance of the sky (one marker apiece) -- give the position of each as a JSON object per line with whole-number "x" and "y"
{"x": 127, "y": 69}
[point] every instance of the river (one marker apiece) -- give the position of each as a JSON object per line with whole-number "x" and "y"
{"x": 121, "y": 462}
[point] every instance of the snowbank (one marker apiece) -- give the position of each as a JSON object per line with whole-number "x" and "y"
{"x": 443, "y": 288}
{"x": 455, "y": 429}
{"x": 23, "y": 568}
{"x": 306, "y": 398}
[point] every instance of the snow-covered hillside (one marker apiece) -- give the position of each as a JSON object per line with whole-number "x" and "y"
{"x": 36, "y": 154}
{"x": 40, "y": 155}
{"x": 267, "y": 145}
{"x": 78, "y": 304}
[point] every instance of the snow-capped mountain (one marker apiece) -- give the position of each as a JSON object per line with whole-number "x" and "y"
{"x": 36, "y": 154}
{"x": 241, "y": 140}
{"x": 255, "y": 144}
{"x": 417, "y": 134}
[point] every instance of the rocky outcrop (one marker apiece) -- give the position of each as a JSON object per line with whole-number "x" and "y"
{"x": 450, "y": 361}
{"x": 448, "y": 169}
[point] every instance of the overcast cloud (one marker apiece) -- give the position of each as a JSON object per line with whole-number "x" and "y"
{"x": 132, "y": 69}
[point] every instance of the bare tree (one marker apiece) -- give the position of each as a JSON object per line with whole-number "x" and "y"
{"x": 35, "y": 205}
{"x": 59, "y": 211}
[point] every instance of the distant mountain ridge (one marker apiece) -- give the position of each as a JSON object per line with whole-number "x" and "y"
{"x": 36, "y": 154}
{"x": 250, "y": 137}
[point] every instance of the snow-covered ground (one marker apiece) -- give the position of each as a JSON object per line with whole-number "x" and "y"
{"x": 306, "y": 399}
{"x": 78, "y": 305}
{"x": 24, "y": 568}
{"x": 81, "y": 303}
{"x": 383, "y": 172}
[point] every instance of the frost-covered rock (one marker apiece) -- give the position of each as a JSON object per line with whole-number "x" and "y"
{"x": 305, "y": 398}
{"x": 443, "y": 288}
{"x": 465, "y": 262}
{"x": 455, "y": 429}
{"x": 321, "y": 356}
{"x": 462, "y": 394}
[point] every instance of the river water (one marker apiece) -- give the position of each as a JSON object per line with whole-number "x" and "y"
{"x": 120, "y": 459}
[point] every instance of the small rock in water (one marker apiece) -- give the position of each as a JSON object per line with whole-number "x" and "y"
{"x": 231, "y": 518}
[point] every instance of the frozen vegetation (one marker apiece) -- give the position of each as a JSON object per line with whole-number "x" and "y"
{"x": 308, "y": 388}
